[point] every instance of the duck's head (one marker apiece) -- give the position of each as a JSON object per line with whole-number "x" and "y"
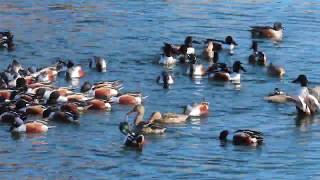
{"x": 254, "y": 46}
{"x": 47, "y": 112}
{"x": 302, "y": 79}
{"x": 17, "y": 123}
{"x": 277, "y": 26}
{"x": 124, "y": 128}
{"x": 223, "y": 135}
{"x": 53, "y": 97}
{"x": 87, "y": 86}
{"x": 21, "y": 83}
{"x": 167, "y": 50}
{"x": 20, "y": 104}
{"x": 188, "y": 41}
{"x": 229, "y": 40}
{"x": 70, "y": 64}
{"x": 237, "y": 66}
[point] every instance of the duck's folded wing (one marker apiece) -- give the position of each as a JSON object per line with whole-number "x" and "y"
{"x": 260, "y": 27}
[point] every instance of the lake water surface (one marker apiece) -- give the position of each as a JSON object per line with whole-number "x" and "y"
{"x": 129, "y": 34}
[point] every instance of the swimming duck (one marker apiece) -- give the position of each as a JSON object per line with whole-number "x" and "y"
{"x": 98, "y": 63}
{"x": 20, "y": 126}
{"x": 277, "y": 96}
{"x": 127, "y": 99}
{"x": 275, "y": 32}
{"x": 274, "y": 70}
{"x": 306, "y": 103}
{"x": 228, "y": 41}
{"x": 142, "y": 126}
{"x": 197, "y": 109}
{"x": 195, "y": 69}
{"x": 257, "y": 57}
{"x": 96, "y": 104}
{"x": 74, "y": 71}
{"x": 60, "y": 116}
{"x": 132, "y": 139}
{"x": 243, "y": 137}
{"x": 168, "y": 118}
{"x": 9, "y": 116}
{"x": 167, "y": 57}
{"x": 225, "y": 75}
{"x": 100, "y": 91}
{"x": 166, "y": 79}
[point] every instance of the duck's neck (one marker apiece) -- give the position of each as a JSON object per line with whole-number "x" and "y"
{"x": 139, "y": 118}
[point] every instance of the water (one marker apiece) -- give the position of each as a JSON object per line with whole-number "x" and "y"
{"x": 129, "y": 34}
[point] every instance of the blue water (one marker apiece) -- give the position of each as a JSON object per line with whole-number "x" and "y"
{"x": 129, "y": 34}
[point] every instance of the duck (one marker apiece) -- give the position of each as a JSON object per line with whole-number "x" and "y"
{"x": 167, "y": 57}
{"x": 197, "y": 109}
{"x": 210, "y": 49}
{"x": 226, "y": 75}
{"x": 142, "y": 126}
{"x": 100, "y": 105}
{"x": 101, "y": 91}
{"x": 52, "y": 114}
{"x": 165, "y": 79}
{"x": 257, "y": 57}
{"x": 98, "y": 63}
{"x": 275, "y": 32}
{"x": 132, "y": 139}
{"x": 9, "y": 116}
{"x": 168, "y": 118}
{"x": 229, "y": 42}
{"x": 196, "y": 70}
{"x": 127, "y": 99}
{"x": 277, "y": 96}
{"x": 244, "y": 137}
{"x": 6, "y": 40}
{"x": 74, "y": 71}
{"x": 276, "y": 71}
{"x": 35, "y": 110}
{"x": 19, "y": 126}
{"x": 306, "y": 103}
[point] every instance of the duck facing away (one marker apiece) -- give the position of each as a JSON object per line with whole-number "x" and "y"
{"x": 275, "y": 32}
{"x": 98, "y": 63}
{"x": 168, "y": 118}
{"x": 30, "y": 127}
{"x": 165, "y": 79}
{"x": 275, "y": 71}
{"x": 243, "y": 137}
{"x": 257, "y": 57}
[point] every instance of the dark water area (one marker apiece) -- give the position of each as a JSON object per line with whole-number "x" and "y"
{"x": 129, "y": 35}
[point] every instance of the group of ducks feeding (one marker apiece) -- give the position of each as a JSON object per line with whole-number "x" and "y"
{"x": 306, "y": 101}
{"x": 186, "y": 54}
{"x": 29, "y": 92}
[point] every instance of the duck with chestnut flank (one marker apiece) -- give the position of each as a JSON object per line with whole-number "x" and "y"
{"x": 275, "y": 32}
{"x": 243, "y": 137}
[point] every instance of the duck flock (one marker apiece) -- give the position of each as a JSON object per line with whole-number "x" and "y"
{"x": 30, "y": 100}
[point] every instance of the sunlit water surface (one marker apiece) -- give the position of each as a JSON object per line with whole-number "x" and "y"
{"x": 129, "y": 34}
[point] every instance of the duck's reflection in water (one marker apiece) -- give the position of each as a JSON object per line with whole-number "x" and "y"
{"x": 304, "y": 121}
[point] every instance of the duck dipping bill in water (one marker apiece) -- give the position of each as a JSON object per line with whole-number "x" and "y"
{"x": 275, "y": 32}
{"x": 275, "y": 71}
{"x": 243, "y": 137}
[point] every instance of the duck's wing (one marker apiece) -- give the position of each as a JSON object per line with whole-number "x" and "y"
{"x": 250, "y": 132}
{"x": 258, "y": 28}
